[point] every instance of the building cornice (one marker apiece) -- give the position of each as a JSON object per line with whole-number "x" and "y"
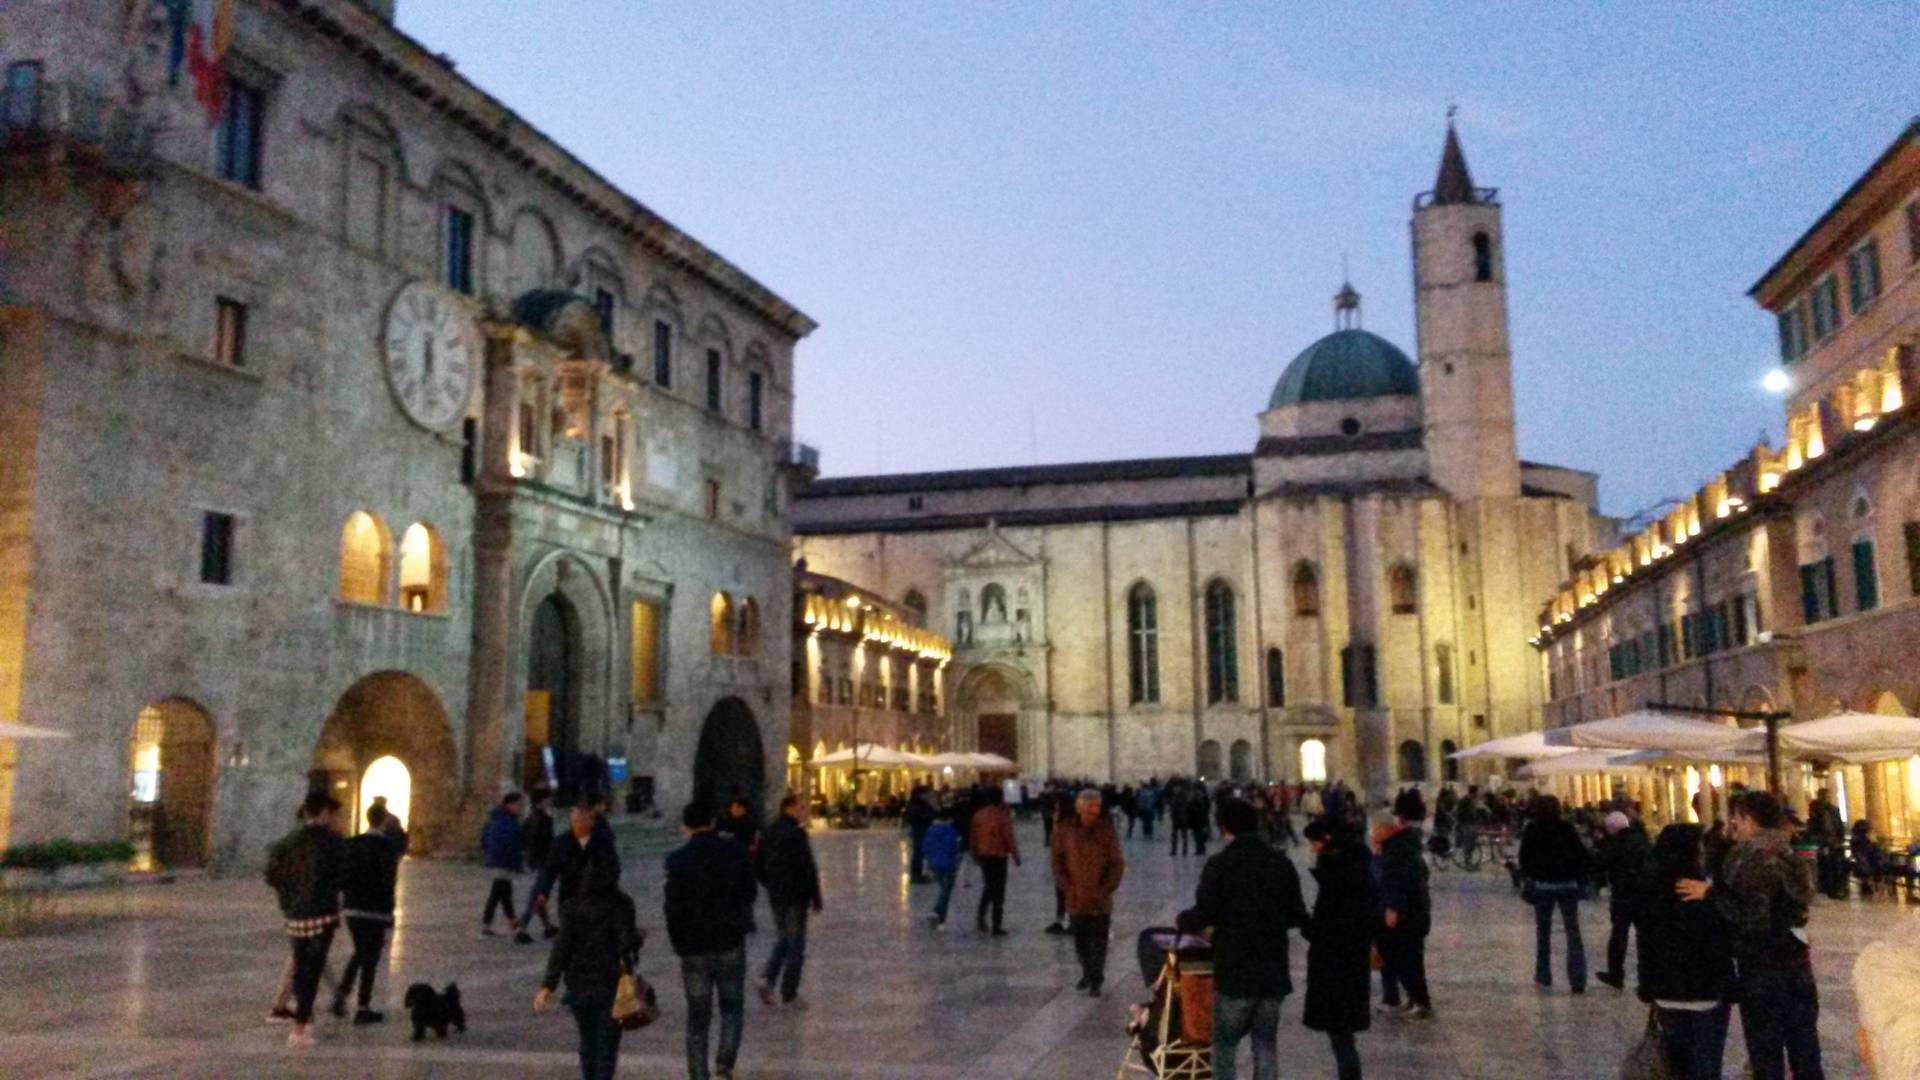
{"x": 1829, "y": 235}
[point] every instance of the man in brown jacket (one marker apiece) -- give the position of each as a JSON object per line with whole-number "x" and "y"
{"x": 1087, "y": 865}
{"x": 992, "y": 844}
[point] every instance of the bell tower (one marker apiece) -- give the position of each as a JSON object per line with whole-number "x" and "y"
{"x": 1460, "y": 308}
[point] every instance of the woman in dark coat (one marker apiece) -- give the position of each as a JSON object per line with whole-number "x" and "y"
{"x": 1686, "y": 960}
{"x": 1346, "y": 911}
{"x": 598, "y": 938}
{"x": 1555, "y": 867}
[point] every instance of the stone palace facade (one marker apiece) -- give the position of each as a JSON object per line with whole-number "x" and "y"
{"x": 360, "y": 436}
{"x": 1353, "y": 599}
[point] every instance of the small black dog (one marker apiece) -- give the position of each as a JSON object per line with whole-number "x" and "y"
{"x": 438, "y": 1011}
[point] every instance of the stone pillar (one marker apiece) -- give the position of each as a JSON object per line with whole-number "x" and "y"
{"x": 1878, "y": 814}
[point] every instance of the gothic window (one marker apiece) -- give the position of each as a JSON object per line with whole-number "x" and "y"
{"x": 720, "y": 617}
{"x": 916, "y": 603}
{"x": 460, "y": 261}
{"x": 755, "y": 392}
{"x": 423, "y": 570}
{"x": 1413, "y": 762}
{"x": 716, "y": 389}
{"x": 963, "y": 628}
{"x": 366, "y": 559}
{"x": 1223, "y": 662}
{"x": 1143, "y": 645}
{"x": 993, "y": 604}
{"x": 1306, "y": 591}
{"x": 1403, "y": 589}
{"x": 1276, "y": 678}
{"x": 1482, "y": 257}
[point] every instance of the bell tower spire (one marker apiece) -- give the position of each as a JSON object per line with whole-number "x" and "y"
{"x": 1460, "y": 307}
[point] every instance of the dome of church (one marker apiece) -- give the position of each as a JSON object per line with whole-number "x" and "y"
{"x": 1346, "y": 364}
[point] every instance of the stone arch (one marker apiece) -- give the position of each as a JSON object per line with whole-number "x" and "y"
{"x": 423, "y": 569}
{"x": 366, "y": 560}
{"x": 1449, "y": 765}
{"x": 1208, "y": 762}
{"x": 172, "y": 753}
{"x": 373, "y": 174}
{"x": 1403, "y": 589}
{"x": 1412, "y": 761}
{"x": 730, "y": 761}
{"x": 588, "y": 623}
{"x": 534, "y": 256}
{"x": 1240, "y": 761}
{"x": 1313, "y": 760}
{"x": 393, "y": 714}
{"x": 1306, "y": 589}
{"x": 994, "y": 700}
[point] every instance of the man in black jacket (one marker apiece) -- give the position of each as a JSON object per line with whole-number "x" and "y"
{"x": 1625, "y": 854}
{"x": 371, "y": 866}
{"x": 304, "y": 870}
{"x": 536, "y": 840}
{"x": 1406, "y": 911}
{"x": 589, "y": 840}
{"x": 919, "y": 816}
{"x": 787, "y": 869}
{"x": 709, "y": 906}
{"x": 1250, "y": 896}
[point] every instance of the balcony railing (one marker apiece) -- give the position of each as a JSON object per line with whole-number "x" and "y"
{"x": 36, "y": 112}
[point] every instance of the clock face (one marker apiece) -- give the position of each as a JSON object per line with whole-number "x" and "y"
{"x": 433, "y": 354}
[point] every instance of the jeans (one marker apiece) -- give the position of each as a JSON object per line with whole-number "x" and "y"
{"x": 1346, "y": 1056}
{"x": 1403, "y": 967}
{"x": 369, "y": 937}
{"x": 309, "y": 958}
{"x": 1780, "y": 1016}
{"x": 1090, "y": 945}
{"x": 1569, "y": 905}
{"x": 1623, "y": 921}
{"x": 1146, "y": 825}
{"x": 1179, "y": 840}
{"x": 917, "y": 865}
{"x": 501, "y": 897}
{"x": 993, "y": 873}
{"x": 789, "y": 950}
{"x": 945, "y": 879}
{"x": 1235, "y": 1018}
{"x": 723, "y": 974}
{"x": 599, "y": 1036}
{"x": 1696, "y": 1042}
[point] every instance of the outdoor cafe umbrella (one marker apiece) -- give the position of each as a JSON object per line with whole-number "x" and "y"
{"x": 1854, "y": 737}
{"x": 1532, "y": 744}
{"x": 1649, "y": 730}
{"x": 992, "y": 761}
{"x": 1612, "y": 762}
{"x": 10, "y": 730}
{"x": 873, "y": 754}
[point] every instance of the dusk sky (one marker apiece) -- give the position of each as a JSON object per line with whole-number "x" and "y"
{"x": 1055, "y": 232}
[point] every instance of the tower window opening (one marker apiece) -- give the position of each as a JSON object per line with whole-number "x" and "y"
{"x": 1482, "y": 257}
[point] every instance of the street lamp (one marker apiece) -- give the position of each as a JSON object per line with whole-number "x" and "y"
{"x": 1776, "y": 382}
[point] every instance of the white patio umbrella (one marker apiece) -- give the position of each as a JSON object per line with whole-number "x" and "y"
{"x": 10, "y": 730}
{"x": 1740, "y": 754}
{"x": 1854, "y": 737}
{"x": 1612, "y": 762}
{"x": 867, "y": 753}
{"x": 1649, "y": 730}
{"x": 993, "y": 761}
{"x": 952, "y": 759}
{"x": 1532, "y": 744}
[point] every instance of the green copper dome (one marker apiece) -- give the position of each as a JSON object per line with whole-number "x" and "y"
{"x": 1343, "y": 365}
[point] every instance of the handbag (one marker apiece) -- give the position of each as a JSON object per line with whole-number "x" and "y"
{"x": 634, "y": 1003}
{"x": 1648, "y": 1058}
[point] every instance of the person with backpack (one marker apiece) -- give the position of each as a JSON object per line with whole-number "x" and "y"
{"x": 370, "y": 868}
{"x": 501, "y": 852}
{"x": 600, "y": 941}
{"x": 304, "y": 870}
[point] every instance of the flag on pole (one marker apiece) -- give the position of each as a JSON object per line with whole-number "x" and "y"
{"x": 208, "y": 37}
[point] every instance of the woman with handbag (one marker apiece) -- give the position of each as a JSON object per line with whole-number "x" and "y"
{"x": 596, "y": 951}
{"x": 1554, "y": 867}
{"x": 1686, "y": 962}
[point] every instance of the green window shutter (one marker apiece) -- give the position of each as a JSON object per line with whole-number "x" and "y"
{"x": 1866, "y": 584}
{"x": 1912, "y": 531}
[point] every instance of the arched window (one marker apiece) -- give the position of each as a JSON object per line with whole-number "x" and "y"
{"x": 1482, "y": 257}
{"x": 366, "y": 559}
{"x": 993, "y": 604}
{"x": 1403, "y": 589}
{"x": 1223, "y": 659}
{"x": 1143, "y": 645}
{"x": 1449, "y": 768}
{"x": 1208, "y": 763}
{"x": 1306, "y": 591}
{"x": 1313, "y": 761}
{"x": 720, "y": 618}
{"x": 1413, "y": 762}
{"x": 1276, "y": 678}
{"x": 423, "y": 570}
{"x": 747, "y": 641}
{"x": 916, "y": 603}
{"x": 1240, "y": 761}
{"x": 1443, "y": 673}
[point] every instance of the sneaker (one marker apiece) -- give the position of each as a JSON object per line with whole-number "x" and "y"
{"x": 522, "y": 938}
{"x": 368, "y": 1016}
{"x": 936, "y": 922}
{"x": 1618, "y": 982}
{"x": 765, "y": 991}
{"x": 299, "y": 1037}
{"x": 280, "y": 1016}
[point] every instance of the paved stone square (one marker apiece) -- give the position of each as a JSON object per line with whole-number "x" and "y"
{"x": 176, "y": 984}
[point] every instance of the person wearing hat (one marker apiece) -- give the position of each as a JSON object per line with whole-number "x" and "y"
{"x": 1625, "y": 857}
{"x": 1407, "y": 911}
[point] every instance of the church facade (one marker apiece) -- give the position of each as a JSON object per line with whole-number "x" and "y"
{"x": 360, "y": 437}
{"x": 1350, "y": 600}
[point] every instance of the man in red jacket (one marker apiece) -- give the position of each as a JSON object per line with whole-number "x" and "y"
{"x": 992, "y": 842}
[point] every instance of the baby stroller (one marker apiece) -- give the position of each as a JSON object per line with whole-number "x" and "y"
{"x": 1171, "y": 1035}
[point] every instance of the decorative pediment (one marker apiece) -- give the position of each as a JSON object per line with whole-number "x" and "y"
{"x": 994, "y": 551}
